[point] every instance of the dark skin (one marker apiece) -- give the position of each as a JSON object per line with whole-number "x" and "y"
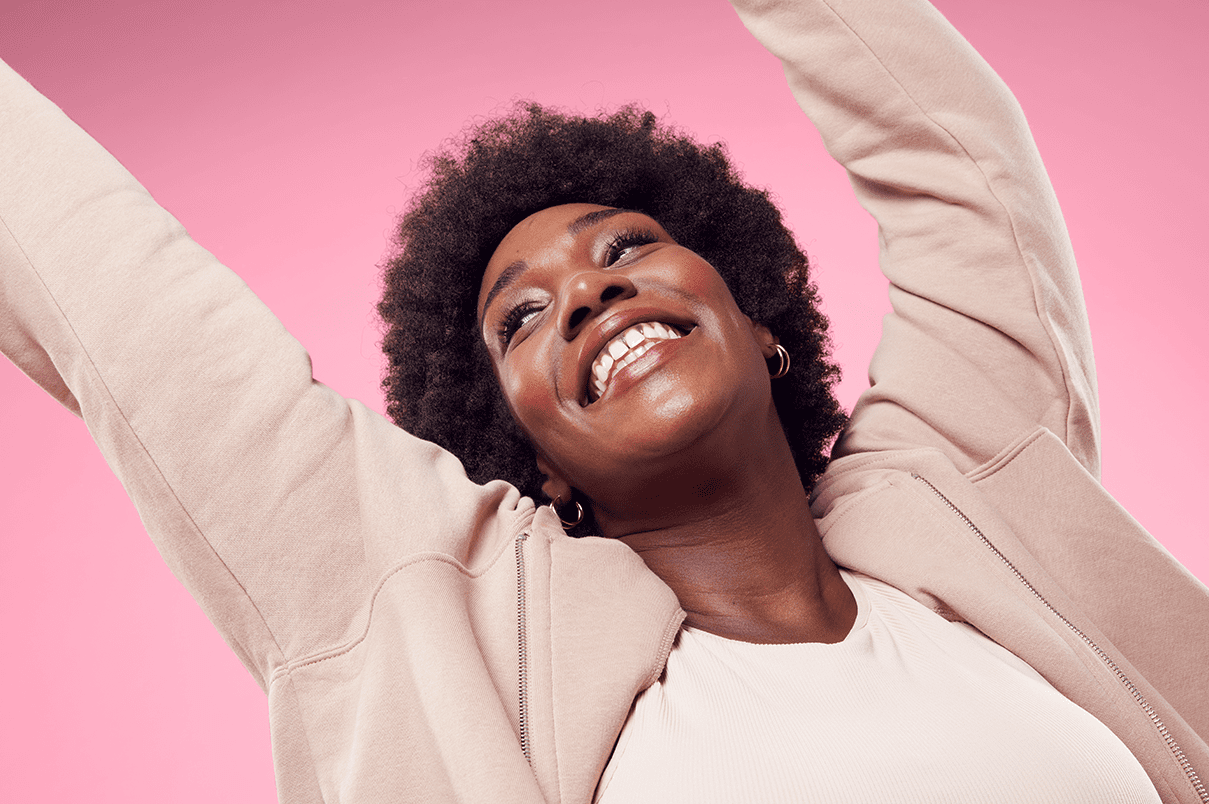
{"x": 683, "y": 456}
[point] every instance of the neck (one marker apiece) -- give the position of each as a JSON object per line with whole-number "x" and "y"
{"x": 745, "y": 559}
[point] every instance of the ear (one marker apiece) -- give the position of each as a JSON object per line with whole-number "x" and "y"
{"x": 765, "y": 339}
{"x": 554, "y": 485}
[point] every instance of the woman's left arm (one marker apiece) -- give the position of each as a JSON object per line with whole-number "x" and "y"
{"x": 989, "y": 336}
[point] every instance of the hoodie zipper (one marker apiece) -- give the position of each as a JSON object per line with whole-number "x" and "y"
{"x": 522, "y": 641}
{"x": 1172, "y": 745}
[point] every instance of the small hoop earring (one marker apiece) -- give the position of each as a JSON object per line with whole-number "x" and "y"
{"x": 783, "y": 355}
{"x": 578, "y": 508}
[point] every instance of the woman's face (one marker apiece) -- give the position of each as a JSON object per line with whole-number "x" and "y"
{"x": 622, "y": 354}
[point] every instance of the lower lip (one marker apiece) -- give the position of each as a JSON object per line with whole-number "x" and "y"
{"x": 635, "y": 372}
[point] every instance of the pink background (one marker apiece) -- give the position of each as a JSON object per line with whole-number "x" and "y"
{"x": 286, "y": 136}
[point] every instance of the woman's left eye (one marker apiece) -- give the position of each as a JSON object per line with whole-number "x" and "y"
{"x": 623, "y": 243}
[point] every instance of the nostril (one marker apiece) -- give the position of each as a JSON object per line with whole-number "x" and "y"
{"x": 611, "y": 292}
{"x": 577, "y": 317}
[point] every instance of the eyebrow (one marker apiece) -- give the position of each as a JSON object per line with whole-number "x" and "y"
{"x": 506, "y": 278}
{"x": 513, "y": 271}
{"x": 592, "y": 218}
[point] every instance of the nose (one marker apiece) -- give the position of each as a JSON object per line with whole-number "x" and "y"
{"x": 586, "y": 295}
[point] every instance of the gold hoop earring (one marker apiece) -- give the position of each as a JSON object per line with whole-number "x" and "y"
{"x": 578, "y": 508}
{"x": 783, "y": 355}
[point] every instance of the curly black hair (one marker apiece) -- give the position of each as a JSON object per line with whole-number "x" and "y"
{"x": 439, "y": 383}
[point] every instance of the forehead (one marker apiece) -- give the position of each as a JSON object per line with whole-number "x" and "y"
{"x": 541, "y": 230}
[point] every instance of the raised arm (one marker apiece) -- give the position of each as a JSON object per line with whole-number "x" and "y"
{"x": 277, "y": 502}
{"x": 988, "y": 337}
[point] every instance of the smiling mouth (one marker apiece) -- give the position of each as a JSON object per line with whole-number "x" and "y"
{"x": 624, "y": 348}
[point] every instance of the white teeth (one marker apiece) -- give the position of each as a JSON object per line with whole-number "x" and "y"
{"x": 624, "y": 349}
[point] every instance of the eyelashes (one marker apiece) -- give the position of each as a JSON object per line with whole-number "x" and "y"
{"x": 516, "y": 318}
{"x": 624, "y": 240}
{"x": 617, "y": 248}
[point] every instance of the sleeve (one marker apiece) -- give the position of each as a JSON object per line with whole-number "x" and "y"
{"x": 272, "y": 498}
{"x": 988, "y": 336}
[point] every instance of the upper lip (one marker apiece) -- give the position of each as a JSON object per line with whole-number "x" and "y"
{"x": 609, "y": 327}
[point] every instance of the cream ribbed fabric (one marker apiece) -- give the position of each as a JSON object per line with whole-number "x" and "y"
{"x": 908, "y": 708}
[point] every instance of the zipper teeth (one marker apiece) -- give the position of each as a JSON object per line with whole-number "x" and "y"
{"x": 522, "y": 639}
{"x": 1193, "y": 778}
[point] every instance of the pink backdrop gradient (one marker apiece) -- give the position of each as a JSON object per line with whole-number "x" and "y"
{"x": 286, "y": 137}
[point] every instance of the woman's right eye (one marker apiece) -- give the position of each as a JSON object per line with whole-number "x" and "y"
{"x": 516, "y": 318}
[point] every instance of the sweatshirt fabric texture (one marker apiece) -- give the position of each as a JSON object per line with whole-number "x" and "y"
{"x": 423, "y": 638}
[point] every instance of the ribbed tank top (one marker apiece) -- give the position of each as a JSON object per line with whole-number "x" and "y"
{"x": 907, "y": 708}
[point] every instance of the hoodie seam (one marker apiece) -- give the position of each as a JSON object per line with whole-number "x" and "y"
{"x": 1007, "y": 455}
{"x": 411, "y": 561}
{"x": 549, "y": 662}
{"x": 666, "y": 642}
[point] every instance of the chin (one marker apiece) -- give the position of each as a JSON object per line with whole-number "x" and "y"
{"x": 674, "y": 423}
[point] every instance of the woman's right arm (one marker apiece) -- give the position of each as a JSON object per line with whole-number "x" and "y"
{"x": 261, "y": 487}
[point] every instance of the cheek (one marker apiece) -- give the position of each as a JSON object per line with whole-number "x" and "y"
{"x": 532, "y": 402}
{"x": 694, "y": 279}
{"x": 703, "y": 283}
{"x": 690, "y": 276}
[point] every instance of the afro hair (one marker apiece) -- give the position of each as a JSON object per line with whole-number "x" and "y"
{"x": 439, "y": 383}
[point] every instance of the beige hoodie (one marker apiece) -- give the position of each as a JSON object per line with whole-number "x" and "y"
{"x": 422, "y": 638}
